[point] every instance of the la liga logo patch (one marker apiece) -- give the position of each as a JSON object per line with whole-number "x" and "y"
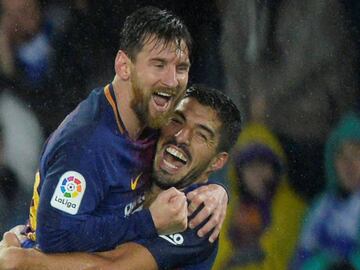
{"x": 69, "y": 192}
{"x": 71, "y": 187}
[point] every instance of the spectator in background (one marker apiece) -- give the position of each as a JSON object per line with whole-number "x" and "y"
{"x": 22, "y": 136}
{"x": 262, "y": 223}
{"x": 20, "y": 144}
{"x": 330, "y": 236}
{"x": 289, "y": 64}
{"x": 10, "y": 192}
{"x": 27, "y": 55}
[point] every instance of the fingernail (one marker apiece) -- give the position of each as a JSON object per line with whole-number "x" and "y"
{"x": 211, "y": 240}
{"x": 191, "y": 225}
{"x": 200, "y": 234}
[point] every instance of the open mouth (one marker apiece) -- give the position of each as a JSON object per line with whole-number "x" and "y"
{"x": 162, "y": 100}
{"x": 174, "y": 158}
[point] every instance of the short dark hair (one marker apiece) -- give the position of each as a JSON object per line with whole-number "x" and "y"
{"x": 227, "y": 112}
{"x": 151, "y": 22}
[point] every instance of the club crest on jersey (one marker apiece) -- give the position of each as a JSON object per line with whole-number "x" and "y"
{"x": 69, "y": 192}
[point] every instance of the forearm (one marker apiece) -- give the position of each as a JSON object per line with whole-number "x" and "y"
{"x": 92, "y": 233}
{"x": 129, "y": 256}
{"x": 31, "y": 259}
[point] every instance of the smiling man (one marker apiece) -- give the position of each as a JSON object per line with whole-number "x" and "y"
{"x": 100, "y": 157}
{"x": 195, "y": 143}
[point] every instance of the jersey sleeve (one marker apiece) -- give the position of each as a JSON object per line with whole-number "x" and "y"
{"x": 68, "y": 217}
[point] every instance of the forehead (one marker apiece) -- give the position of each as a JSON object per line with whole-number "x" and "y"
{"x": 154, "y": 47}
{"x": 349, "y": 148}
{"x": 199, "y": 114}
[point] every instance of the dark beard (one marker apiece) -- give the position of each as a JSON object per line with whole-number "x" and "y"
{"x": 187, "y": 180}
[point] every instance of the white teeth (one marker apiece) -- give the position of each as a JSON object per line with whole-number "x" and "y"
{"x": 163, "y": 94}
{"x": 176, "y": 153}
{"x": 170, "y": 165}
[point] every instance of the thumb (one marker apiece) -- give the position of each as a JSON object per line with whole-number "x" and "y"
{"x": 11, "y": 240}
{"x": 170, "y": 193}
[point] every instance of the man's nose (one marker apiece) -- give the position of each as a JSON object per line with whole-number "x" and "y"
{"x": 183, "y": 136}
{"x": 170, "y": 78}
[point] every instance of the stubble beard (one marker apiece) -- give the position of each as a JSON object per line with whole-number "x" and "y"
{"x": 140, "y": 105}
{"x": 164, "y": 181}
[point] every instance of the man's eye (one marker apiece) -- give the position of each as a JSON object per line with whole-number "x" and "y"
{"x": 202, "y": 136}
{"x": 182, "y": 69}
{"x": 175, "y": 121}
{"x": 159, "y": 65}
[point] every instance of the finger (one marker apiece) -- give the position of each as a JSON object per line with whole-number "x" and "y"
{"x": 196, "y": 201}
{"x": 204, "y": 213}
{"x": 191, "y": 195}
{"x": 172, "y": 192}
{"x": 215, "y": 234}
{"x": 168, "y": 194}
{"x": 18, "y": 229}
{"x": 11, "y": 240}
{"x": 191, "y": 209}
{"x": 184, "y": 222}
{"x": 178, "y": 201}
{"x": 211, "y": 224}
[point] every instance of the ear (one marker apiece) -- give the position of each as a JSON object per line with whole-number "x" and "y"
{"x": 219, "y": 161}
{"x": 122, "y": 65}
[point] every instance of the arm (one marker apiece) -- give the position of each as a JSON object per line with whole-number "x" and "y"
{"x": 129, "y": 256}
{"x": 81, "y": 227}
{"x": 84, "y": 227}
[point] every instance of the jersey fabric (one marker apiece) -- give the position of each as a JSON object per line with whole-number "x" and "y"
{"x": 184, "y": 250}
{"x": 90, "y": 172}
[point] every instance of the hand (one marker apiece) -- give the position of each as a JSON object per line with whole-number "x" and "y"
{"x": 215, "y": 199}
{"x": 17, "y": 230}
{"x": 10, "y": 252}
{"x": 169, "y": 211}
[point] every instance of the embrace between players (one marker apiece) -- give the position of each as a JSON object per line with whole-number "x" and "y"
{"x": 113, "y": 188}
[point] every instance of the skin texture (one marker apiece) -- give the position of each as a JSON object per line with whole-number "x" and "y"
{"x": 348, "y": 166}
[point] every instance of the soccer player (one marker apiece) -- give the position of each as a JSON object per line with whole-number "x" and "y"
{"x": 194, "y": 143}
{"x": 100, "y": 157}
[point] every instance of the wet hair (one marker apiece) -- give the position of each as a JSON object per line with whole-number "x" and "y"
{"x": 226, "y": 110}
{"x": 151, "y": 23}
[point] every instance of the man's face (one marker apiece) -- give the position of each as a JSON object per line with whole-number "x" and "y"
{"x": 187, "y": 146}
{"x": 348, "y": 166}
{"x": 159, "y": 75}
{"x": 259, "y": 179}
{"x": 21, "y": 19}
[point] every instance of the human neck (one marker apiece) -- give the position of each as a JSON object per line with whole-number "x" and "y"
{"x": 151, "y": 194}
{"x": 123, "y": 95}
{"x": 154, "y": 191}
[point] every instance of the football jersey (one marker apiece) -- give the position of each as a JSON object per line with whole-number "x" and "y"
{"x": 90, "y": 173}
{"x": 89, "y": 191}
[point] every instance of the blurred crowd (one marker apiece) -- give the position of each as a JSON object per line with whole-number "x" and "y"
{"x": 292, "y": 68}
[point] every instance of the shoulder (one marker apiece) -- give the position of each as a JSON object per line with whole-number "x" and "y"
{"x": 81, "y": 125}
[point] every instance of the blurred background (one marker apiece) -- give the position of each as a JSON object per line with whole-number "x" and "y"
{"x": 291, "y": 66}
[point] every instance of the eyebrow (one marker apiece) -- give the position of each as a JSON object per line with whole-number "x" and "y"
{"x": 207, "y": 129}
{"x": 158, "y": 59}
{"x": 201, "y": 126}
{"x": 180, "y": 114}
{"x": 185, "y": 63}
